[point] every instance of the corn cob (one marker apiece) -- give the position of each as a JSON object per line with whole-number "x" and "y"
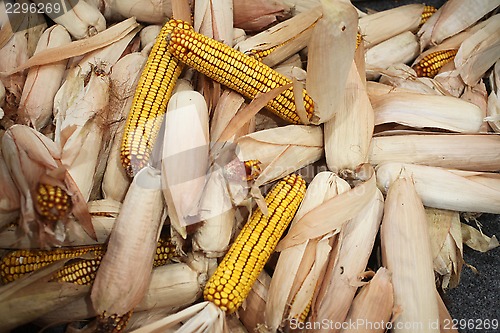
{"x": 17, "y": 263}
{"x": 252, "y": 169}
{"x": 233, "y": 279}
{"x": 150, "y": 102}
{"x": 112, "y": 323}
{"x": 432, "y": 63}
{"x": 52, "y": 202}
{"x": 234, "y": 69}
{"x": 428, "y": 12}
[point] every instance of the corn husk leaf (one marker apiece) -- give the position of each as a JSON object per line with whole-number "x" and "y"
{"x": 373, "y": 304}
{"x": 118, "y": 288}
{"x": 406, "y": 253}
{"x": 348, "y": 134}
{"x": 417, "y": 110}
{"x": 9, "y": 196}
{"x": 281, "y": 150}
{"x": 320, "y": 221}
{"x": 228, "y": 106}
{"x": 447, "y": 189}
{"x": 250, "y": 313}
{"x": 444, "y": 317}
{"x": 477, "y": 240}
{"x": 330, "y": 54}
{"x": 214, "y": 19}
{"x": 256, "y": 15}
{"x": 340, "y": 284}
{"x": 445, "y": 151}
{"x": 150, "y": 11}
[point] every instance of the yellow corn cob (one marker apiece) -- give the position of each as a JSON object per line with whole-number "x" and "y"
{"x": 303, "y": 316}
{"x": 237, "y": 272}
{"x": 261, "y": 54}
{"x": 236, "y": 70}
{"x": 80, "y": 271}
{"x": 20, "y": 262}
{"x": 150, "y": 102}
{"x": 432, "y": 63}
{"x": 252, "y": 169}
{"x": 112, "y": 323}
{"x": 428, "y": 12}
{"x": 52, "y": 202}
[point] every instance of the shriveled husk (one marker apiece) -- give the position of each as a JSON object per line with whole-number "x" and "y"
{"x": 457, "y": 15}
{"x": 281, "y": 150}
{"x": 344, "y": 273}
{"x": 399, "y": 79}
{"x": 383, "y": 25}
{"x": 476, "y": 240}
{"x": 250, "y": 313}
{"x": 9, "y": 196}
{"x": 31, "y": 159}
{"x": 43, "y": 82}
{"x": 289, "y": 37}
{"x": 148, "y": 35}
{"x": 330, "y": 54}
{"x": 229, "y": 104}
{"x": 185, "y": 157}
{"x": 444, "y": 317}
{"x": 80, "y": 19}
{"x": 407, "y": 254}
{"x": 479, "y": 52}
{"x": 214, "y": 19}
{"x": 446, "y": 245}
{"x": 458, "y": 190}
{"x": 493, "y": 109}
{"x": 118, "y": 287}
{"x": 32, "y": 296}
{"x": 432, "y": 111}
{"x": 297, "y": 262}
{"x": 401, "y": 48}
{"x": 373, "y": 305}
{"x": 252, "y": 15}
{"x": 80, "y": 107}
{"x": 349, "y": 132}
{"x": 478, "y": 95}
{"x": 455, "y": 151}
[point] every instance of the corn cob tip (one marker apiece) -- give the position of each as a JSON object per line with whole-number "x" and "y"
{"x": 431, "y": 64}
{"x": 52, "y": 203}
{"x": 112, "y": 323}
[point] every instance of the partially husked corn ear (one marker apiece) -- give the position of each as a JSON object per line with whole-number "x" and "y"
{"x": 252, "y": 169}
{"x": 237, "y": 272}
{"x": 112, "y": 323}
{"x": 432, "y": 63}
{"x": 165, "y": 251}
{"x": 427, "y": 13}
{"x": 52, "y": 202}
{"x": 17, "y": 263}
{"x": 150, "y": 102}
{"x": 236, "y": 70}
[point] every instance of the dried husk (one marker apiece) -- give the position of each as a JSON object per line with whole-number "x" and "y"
{"x": 330, "y": 54}
{"x": 476, "y": 240}
{"x": 118, "y": 288}
{"x": 229, "y": 104}
{"x": 431, "y": 111}
{"x": 383, "y": 25}
{"x": 446, "y": 245}
{"x": 441, "y": 150}
{"x": 287, "y": 276}
{"x": 250, "y": 313}
{"x": 281, "y": 150}
{"x": 81, "y": 19}
{"x": 252, "y": 15}
{"x": 348, "y": 134}
{"x": 150, "y": 11}
{"x": 13, "y": 54}
{"x": 340, "y": 283}
{"x": 465, "y": 191}
{"x": 43, "y": 82}
{"x": 185, "y": 157}
{"x": 407, "y": 254}
{"x": 372, "y": 305}
{"x": 9, "y": 196}
{"x": 214, "y": 19}
{"x": 148, "y": 35}
{"x": 478, "y": 95}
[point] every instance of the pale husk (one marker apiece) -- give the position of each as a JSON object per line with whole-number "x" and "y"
{"x": 9, "y": 196}
{"x": 252, "y": 15}
{"x": 118, "y": 288}
{"x": 348, "y": 134}
{"x": 476, "y": 240}
{"x": 214, "y": 19}
{"x": 447, "y": 189}
{"x": 457, "y": 15}
{"x": 373, "y": 304}
{"x": 281, "y": 150}
{"x": 81, "y": 19}
{"x": 406, "y": 253}
{"x": 478, "y": 95}
{"x": 150, "y": 11}
{"x": 383, "y": 25}
{"x": 251, "y": 312}
{"x": 42, "y": 82}
{"x": 13, "y": 54}
{"x": 148, "y": 35}
{"x": 324, "y": 186}
{"x": 432, "y": 111}
{"x": 446, "y": 245}
{"x": 330, "y": 54}
{"x": 185, "y": 157}
{"x": 454, "y": 151}
{"x": 340, "y": 284}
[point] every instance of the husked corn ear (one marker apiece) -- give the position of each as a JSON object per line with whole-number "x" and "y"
{"x": 150, "y": 102}
{"x": 79, "y": 271}
{"x": 432, "y": 63}
{"x": 236, "y": 70}
{"x": 112, "y": 323}
{"x": 252, "y": 169}
{"x": 428, "y": 12}
{"x": 237, "y": 272}
{"x": 20, "y": 262}
{"x": 52, "y": 202}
